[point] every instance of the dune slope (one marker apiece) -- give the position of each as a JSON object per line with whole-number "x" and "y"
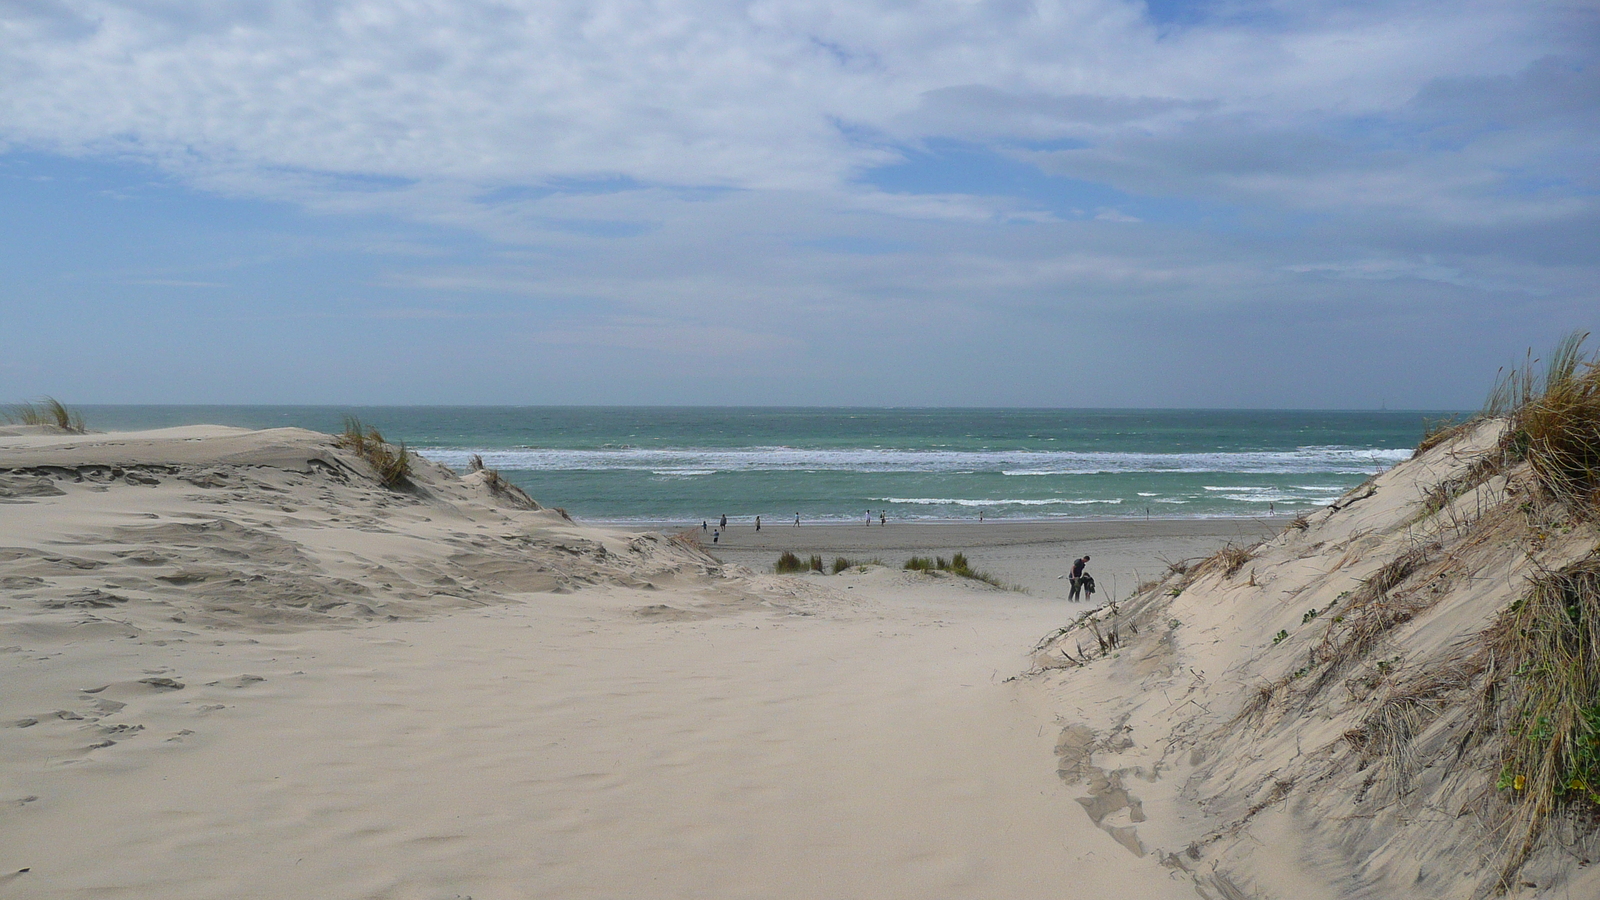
{"x": 1334, "y": 711}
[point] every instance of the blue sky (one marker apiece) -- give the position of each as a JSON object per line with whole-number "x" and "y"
{"x": 1095, "y": 203}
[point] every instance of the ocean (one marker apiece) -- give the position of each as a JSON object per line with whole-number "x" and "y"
{"x": 669, "y": 466}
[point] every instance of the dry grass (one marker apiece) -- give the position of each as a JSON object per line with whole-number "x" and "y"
{"x": 1229, "y": 560}
{"x": 1442, "y": 431}
{"x": 1555, "y": 423}
{"x": 48, "y": 411}
{"x": 391, "y": 464}
{"x": 1388, "y": 733}
{"x": 1546, "y": 650}
{"x": 499, "y": 485}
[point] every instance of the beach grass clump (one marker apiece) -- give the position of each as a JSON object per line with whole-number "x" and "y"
{"x": 789, "y": 564}
{"x": 1229, "y": 560}
{"x": 392, "y": 464}
{"x": 48, "y": 411}
{"x": 1555, "y": 423}
{"x": 955, "y": 565}
{"x": 1546, "y": 647}
{"x": 814, "y": 564}
{"x": 844, "y": 563}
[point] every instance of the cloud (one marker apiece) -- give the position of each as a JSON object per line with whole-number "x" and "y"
{"x": 740, "y": 166}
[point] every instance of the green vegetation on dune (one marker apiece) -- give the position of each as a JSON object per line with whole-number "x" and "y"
{"x": 48, "y": 411}
{"x": 392, "y": 464}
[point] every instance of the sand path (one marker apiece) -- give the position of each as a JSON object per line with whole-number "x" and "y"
{"x": 590, "y": 745}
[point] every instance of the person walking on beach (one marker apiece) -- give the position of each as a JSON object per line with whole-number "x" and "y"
{"x": 869, "y": 517}
{"x": 797, "y": 520}
{"x": 758, "y": 523}
{"x": 1077, "y": 577}
{"x": 883, "y": 517}
{"x": 703, "y": 525}
{"x": 717, "y": 535}
{"x": 724, "y": 522}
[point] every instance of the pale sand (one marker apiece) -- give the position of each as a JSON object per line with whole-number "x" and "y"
{"x": 1037, "y": 556}
{"x": 444, "y": 695}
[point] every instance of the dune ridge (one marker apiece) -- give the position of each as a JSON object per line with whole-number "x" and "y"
{"x": 1328, "y": 713}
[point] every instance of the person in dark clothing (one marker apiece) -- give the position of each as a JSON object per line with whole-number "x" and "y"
{"x": 1077, "y": 577}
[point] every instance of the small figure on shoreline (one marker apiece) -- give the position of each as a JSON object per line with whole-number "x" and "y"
{"x": 797, "y": 520}
{"x": 716, "y": 535}
{"x": 758, "y": 523}
{"x": 1078, "y": 577}
{"x": 980, "y": 517}
{"x": 869, "y": 517}
{"x": 724, "y": 522}
{"x": 703, "y": 525}
{"x": 883, "y": 517}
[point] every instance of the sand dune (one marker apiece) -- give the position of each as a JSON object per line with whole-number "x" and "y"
{"x": 235, "y": 666}
{"x": 1321, "y": 717}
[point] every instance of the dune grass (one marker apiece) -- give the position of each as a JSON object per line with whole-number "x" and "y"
{"x": 1555, "y": 423}
{"x": 392, "y": 464}
{"x": 48, "y": 411}
{"x": 499, "y": 485}
{"x": 1547, "y": 648}
{"x": 956, "y": 565}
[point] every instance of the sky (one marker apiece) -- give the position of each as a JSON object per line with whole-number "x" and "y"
{"x": 1060, "y": 203}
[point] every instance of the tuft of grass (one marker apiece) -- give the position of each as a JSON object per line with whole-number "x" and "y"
{"x": 48, "y": 411}
{"x": 499, "y": 485}
{"x": 957, "y": 565}
{"x": 815, "y": 563}
{"x": 1438, "y": 431}
{"x": 1229, "y": 560}
{"x": 1555, "y": 423}
{"x": 392, "y": 465}
{"x": 788, "y": 563}
{"x": 1546, "y": 649}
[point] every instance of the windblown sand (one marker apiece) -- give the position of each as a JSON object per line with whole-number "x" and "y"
{"x": 233, "y": 666}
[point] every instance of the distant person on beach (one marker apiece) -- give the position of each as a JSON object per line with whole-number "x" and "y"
{"x": 980, "y": 517}
{"x": 869, "y": 517}
{"x": 797, "y": 520}
{"x": 716, "y": 535}
{"x": 724, "y": 522}
{"x": 883, "y": 517}
{"x": 758, "y": 523}
{"x": 704, "y": 525}
{"x": 1077, "y": 577}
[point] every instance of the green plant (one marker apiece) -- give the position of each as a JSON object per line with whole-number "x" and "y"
{"x": 956, "y": 565}
{"x": 48, "y": 411}
{"x": 815, "y": 564}
{"x": 1548, "y": 646}
{"x": 1306, "y": 619}
{"x": 1280, "y": 637}
{"x": 392, "y": 465}
{"x": 1555, "y": 423}
{"x": 789, "y": 563}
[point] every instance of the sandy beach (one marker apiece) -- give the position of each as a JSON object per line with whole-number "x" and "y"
{"x": 1037, "y": 556}
{"x": 237, "y": 667}
{"x": 240, "y": 664}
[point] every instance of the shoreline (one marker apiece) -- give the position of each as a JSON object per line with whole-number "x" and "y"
{"x": 1035, "y": 556}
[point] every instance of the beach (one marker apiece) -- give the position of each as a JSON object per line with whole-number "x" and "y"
{"x": 1036, "y": 556}
{"x": 238, "y": 666}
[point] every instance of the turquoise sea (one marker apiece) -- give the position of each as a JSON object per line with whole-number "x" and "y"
{"x": 682, "y": 465}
